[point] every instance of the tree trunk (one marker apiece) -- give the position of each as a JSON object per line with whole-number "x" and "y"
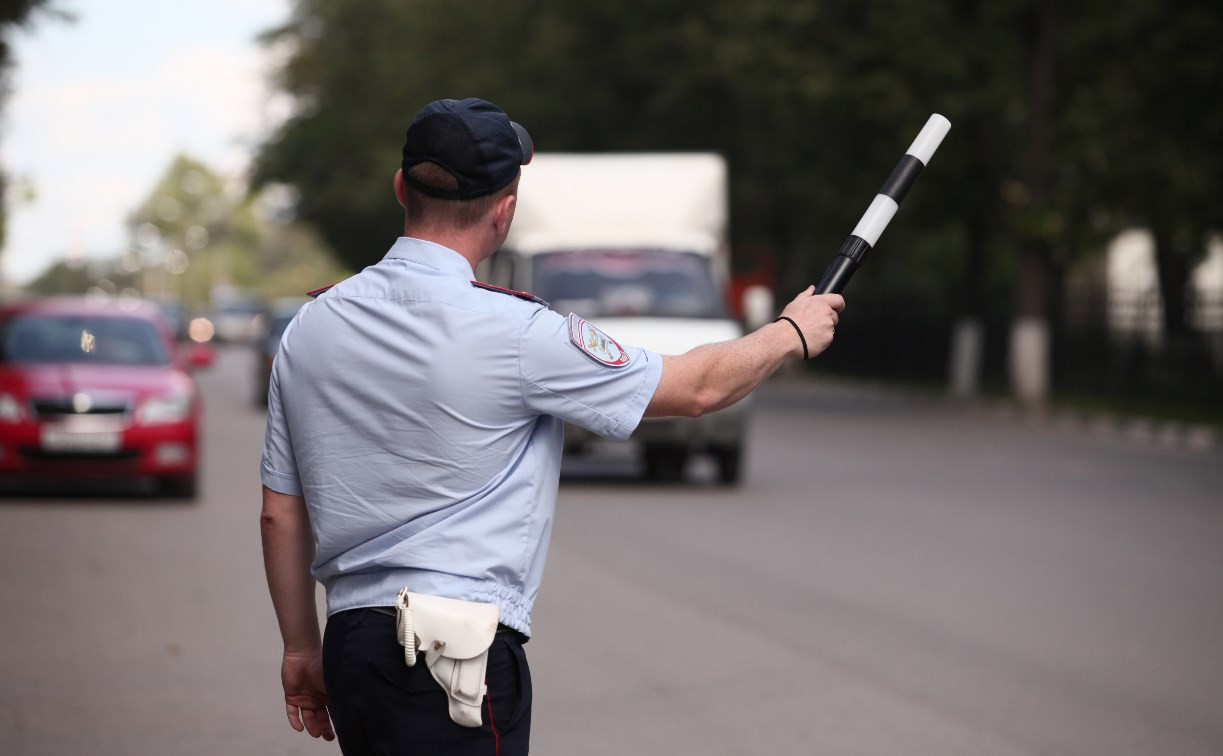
{"x": 1186, "y": 353}
{"x": 1029, "y": 353}
{"x": 1172, "y": 265}
{"x": 968, "y": 332}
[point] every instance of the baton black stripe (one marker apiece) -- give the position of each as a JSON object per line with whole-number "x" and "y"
{"x": 855, "y": 248}
{"x": 903, "y": 176}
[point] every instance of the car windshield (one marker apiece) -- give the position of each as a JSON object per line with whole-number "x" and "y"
{"x": 279, "y": 324}
{"x": 646, "y": 282}
{"x": 88, "y": 339}
{"x": 276, "y": 329}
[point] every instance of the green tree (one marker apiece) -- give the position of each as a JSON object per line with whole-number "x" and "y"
{"x": 1149, "y": 117}
{"x": 810, "y": 102}
{"x": 191, "y": 234}
{"x": 79, "y": 277}
{"x": 14, "y": 13}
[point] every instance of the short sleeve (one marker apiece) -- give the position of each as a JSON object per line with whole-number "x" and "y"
{"x": 278, "y": 468}
{"x": 566, "y": 377}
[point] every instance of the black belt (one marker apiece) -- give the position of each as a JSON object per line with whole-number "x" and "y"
{"x": 390, "y": 612}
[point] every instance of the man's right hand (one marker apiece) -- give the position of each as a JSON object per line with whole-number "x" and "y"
{"x": 306, "y": 702}
{"x": 817, "y": 315}
{"x": 713, "y": 376}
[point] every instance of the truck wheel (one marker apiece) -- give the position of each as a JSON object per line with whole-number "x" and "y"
{"x": 665, "y": 463}
{"x": 730, "y": 464}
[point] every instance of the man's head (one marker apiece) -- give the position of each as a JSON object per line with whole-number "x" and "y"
{"x": 473, "y": 141}
{"x": 460, "y": 158}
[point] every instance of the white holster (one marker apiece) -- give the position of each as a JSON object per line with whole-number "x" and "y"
{"x": 454, "y": 637}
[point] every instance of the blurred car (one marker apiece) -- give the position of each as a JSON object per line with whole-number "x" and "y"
{"x": 97, "y": 390}
{"x": 276, "y": 320}
{"x": 175, "y": 316}
{"x": 237, "y": 321}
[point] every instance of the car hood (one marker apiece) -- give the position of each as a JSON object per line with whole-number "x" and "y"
{"x": 668, "y": 335}
{"x": 117, "y": 381}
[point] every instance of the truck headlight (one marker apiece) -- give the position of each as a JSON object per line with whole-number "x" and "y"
{"x": 10, "y": 409}
{"x": 164, "y": 409}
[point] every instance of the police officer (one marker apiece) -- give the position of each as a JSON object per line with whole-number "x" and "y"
{"x": 414, "y": 442}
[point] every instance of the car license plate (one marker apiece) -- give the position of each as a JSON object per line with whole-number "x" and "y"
{"x": 90, "y": 442}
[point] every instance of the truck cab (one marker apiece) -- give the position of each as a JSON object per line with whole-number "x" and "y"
{"x": 635, "y": 244}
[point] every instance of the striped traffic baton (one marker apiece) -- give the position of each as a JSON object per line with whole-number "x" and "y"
{"x": 866, "y": 234}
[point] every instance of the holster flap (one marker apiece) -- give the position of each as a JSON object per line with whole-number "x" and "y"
{"x": 451, "y": 628}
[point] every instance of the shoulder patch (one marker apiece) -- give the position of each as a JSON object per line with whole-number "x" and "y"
{"x": 597, "y": 345}
{"x": 520, "y": 294}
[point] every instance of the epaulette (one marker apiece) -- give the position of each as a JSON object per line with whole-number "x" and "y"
{"x": 520, "y": 294}
{"x": 315, "y": 294}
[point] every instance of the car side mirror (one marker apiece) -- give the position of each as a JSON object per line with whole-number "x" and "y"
{"x": 757, "y": 306}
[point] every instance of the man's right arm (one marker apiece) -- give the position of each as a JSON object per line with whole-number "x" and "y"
{"x": 288, "y": 549}
{"x": 714, "y": 376}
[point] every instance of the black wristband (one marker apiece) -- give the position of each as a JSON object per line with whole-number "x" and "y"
{"x": 806, "y": 354}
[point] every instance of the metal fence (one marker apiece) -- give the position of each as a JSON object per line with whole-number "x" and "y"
{"x": 1102, "y": 342}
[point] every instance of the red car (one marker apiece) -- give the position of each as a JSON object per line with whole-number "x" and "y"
{"x": 97, "y": 390}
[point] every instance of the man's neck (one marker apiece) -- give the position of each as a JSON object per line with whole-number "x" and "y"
{"x": 468, "y": 247}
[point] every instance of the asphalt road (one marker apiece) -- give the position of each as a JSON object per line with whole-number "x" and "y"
{"x": 893, "y": 577}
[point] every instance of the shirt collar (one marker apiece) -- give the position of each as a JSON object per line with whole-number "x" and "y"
{"x": 431, "y": 255}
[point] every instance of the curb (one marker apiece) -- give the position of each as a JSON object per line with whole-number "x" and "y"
{"x": 1133, "y": 429}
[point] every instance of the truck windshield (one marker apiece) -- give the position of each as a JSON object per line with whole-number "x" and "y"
{"x": 644, "y": 282}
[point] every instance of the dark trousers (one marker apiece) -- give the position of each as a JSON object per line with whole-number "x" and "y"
{"x": 380, "y": 705}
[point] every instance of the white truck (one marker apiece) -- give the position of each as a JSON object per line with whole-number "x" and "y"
{"x": 637, "y": 245}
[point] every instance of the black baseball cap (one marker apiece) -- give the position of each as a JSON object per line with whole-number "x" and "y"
{"x": 473, "y": 140}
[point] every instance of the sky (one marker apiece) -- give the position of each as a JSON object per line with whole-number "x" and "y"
{"x": 102, "y": 104}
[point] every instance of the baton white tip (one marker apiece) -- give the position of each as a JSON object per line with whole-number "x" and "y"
{"x": 930, "y": 137}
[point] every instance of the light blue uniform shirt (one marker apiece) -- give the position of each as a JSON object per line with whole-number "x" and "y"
{"x": 421, "y": 418}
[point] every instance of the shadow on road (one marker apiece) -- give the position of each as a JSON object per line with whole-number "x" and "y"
{"x": 625, "y": 470}
{"x": 58, "y": 491}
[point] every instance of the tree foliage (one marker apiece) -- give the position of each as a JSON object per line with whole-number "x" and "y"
{"x": 192, "y": 234}
{"x": 1148, "y": 118}
{"x": 17, "y": 13}
{"x": 1068, "y": 120}
{"x": 12, "y": 13}
{"x": 79, "y": 277}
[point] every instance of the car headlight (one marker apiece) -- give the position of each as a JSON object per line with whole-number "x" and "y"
{"x": 10, "y": 409}
{"x": 164, "y": 409}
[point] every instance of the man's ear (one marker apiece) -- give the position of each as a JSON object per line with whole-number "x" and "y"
{"x": 400, "y": 193}
{"x": 504, "y": 214}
